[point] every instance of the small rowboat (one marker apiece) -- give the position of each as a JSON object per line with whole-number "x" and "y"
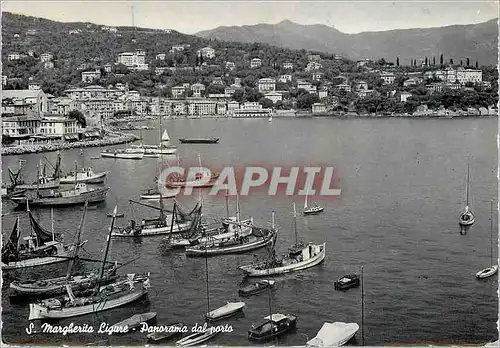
{"x": 487, "y": 272}
{"x": 226, "y": 311}
{"x": 171, "y": 331}
{"x": 197, "y": 338}
{"x": 333, "y": 335}
{"x": 133, "y": 322}
{"x": 256, "y": 288}
{"x": 347, "y": 282}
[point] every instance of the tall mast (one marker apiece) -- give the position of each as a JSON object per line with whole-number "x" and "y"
{"x": 206, "y": 271}
{"x": 77, "y": 245}
{"x": 52, "y": 221}
{"x": 108, "y": 242}
{"x": 76, "y": 168}
{"x": 362, "y": 308}
{"x": 295, "y": 224}
{"x": 491, "y": 232}
{"x": 270, "y": 305}
{"x": 467, "y": 186}
{"x": 237, "y": 207}
{"x": 18, "y": 233}
{"x": 272, "y": 220}
{"x": 305, "y": 200}
{"x": 172, "y": 223}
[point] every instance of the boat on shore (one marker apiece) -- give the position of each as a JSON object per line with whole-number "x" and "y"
{"x": 333, "y": 335}
{"x": 40, "y": 248}
{"x": 213, "y": 140}
{"x": 256, "y": 288}
{"x": 80, "y": 194}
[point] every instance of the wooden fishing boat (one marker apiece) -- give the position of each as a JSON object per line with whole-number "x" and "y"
{"x": 162, "y": 225}
{"x": 489, "y": 271}
{"x": 226, "y": 311}
{"x": 235, "y": 244}
{"x": 154, "y": 195}
{"x": 299, "y": 257}
{"x": 347, "y": 282}
{"x": 311, "y": 210}
{"x": 80, "y": 194}
{"x": 165, "y": 333}
{"x": 133, "y": 322}
{"x": 333, "y": 335}
{"x": 86, "y": 175}
{"x": 197, "y": 338}
{"x": 99, "y": 299}
{"x": 256, "y": 288}
{"x": 274, "y": 325}
{"x": 213, "y": 140}
{"x": 41, "y": 184}
{"x": 40, "y": 248}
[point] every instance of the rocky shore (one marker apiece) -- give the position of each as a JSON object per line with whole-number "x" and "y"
{"x": 112, "y": 139}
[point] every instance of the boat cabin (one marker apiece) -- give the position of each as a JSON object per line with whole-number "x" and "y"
{"x": 275, "y": 325}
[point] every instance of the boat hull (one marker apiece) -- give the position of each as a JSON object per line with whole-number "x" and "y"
{"x": 97, "y": 195}
{"x": 39, "y": 312}
{"x": 232, "y": 249}
{"x": 47, "y": 186}
{"x": 34, "y": 262}
{"x": 136, "y": 156}
{"x": 196, "y": 338}
{"x": 178, "y": 228}
{"x": 225, "y": 311}
{"x": 199, "y": 141}
{"x": 92, "y": 179}
{"x": 252, "y": 271}
{"x": 487, "y": 272}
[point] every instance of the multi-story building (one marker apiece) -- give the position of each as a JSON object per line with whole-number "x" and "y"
{"x": 318, "y": 76}
{"x": 285, "y": 78}
{"x": 344, "y": 87}
{"x": 411, "y": 82}
{"x": 48, "y": 65}
{"x": 318, "y": 108}
{"x": 206, "y": 52}
{"x": 132, "y": 59}
{"x": 266, "y": 84}
{"x": 177, "y": 48}
{"x": 46, "y": 57}
{"x": 229, "y": 91}
{"x": 202, "y": 107}
{"x": 361, "y": 85}
{"x": 32, "y": 101}
{"x": 198, "y": 89}
{"x": 4, "y": 80}
{"x": 14, "y": 56}
{"x": 309, "y": 87}
{"x": 178, "y": 91}
{"x": 314, "y": 58}
{"x": 287, "y": 65}
{"x": 160, "y": 56}
{"x": 404, "y": 96}
{"x": 52, "y": 126}
{"x": 388, "y": 77}
{"x": 251, "y": 109}
{"x": 313, "y": 66}
{"x": 469, "y": 76}
{"x": 33, "y": 85}
{"x": 108, "y": 68}
{"x": 274, "y": 96}
{"x": 90, "y": 76}
{"x": 230, "y": 66}
{"x": 255, "y": 63}
{"x": 323, "y": 93}
{"x": 362, "y": 62}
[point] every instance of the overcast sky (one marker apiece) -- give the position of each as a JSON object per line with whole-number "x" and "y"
{"x": 191, "y": 17}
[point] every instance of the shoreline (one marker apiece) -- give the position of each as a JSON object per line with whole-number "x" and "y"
{"x": 37, "y": 148}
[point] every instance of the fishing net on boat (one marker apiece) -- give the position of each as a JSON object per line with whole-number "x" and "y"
{"x": 9, "y": 250}
{"x": 194, "y": 228}
{"x": 42, "y": 235}
{"x": 184, "y": 216}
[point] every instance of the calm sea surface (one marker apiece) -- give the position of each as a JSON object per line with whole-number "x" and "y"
{"x": 402, "y": 184}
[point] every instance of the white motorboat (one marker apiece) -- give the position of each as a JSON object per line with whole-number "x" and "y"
{"x": 122, "y": 154}
{"x": 85, "y": 175}
{"x": 333, "y": 335}
{"x": 228, "y": 310}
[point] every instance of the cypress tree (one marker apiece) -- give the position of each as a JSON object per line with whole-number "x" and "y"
{"x": 441, "y": 59}
{"x": 477, "y": 64}
{"x": 397, "y": 61}
{"x": 434, "y": 60}
{"x": 451, "y": 61}
{"x": 468, "y": 62}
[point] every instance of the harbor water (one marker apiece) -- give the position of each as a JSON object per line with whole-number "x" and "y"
{"x": 403, "y": 188}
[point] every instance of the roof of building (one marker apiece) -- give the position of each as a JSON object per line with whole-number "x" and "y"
{"x": 21, "y": 93}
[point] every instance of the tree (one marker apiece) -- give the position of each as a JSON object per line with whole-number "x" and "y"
{"x": 434, "y": 60}
{"x": 266, "y": 103}
{"x": 477, "y": 64}
{"x": 426, "y": 61}
{"x": 468, "y": 62}
{"x": 306, "y": 100}
{"x": 451, "y": 61}
{"x": 397, "y": 61}
{"x": 441, "y": 59}
{"x": 461, "y": 62}
{"x": 78, "y": 116}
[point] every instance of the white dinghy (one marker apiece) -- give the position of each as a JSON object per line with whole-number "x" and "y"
{"x": 229, "y": 309}
{"x": 333, "y": 334}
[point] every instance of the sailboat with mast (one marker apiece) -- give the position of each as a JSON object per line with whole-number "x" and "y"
{"x": 56, "y": 286}
{"x": 467, "y": 217}
{"x": 42, "y": 182}
{"x": 300, "y": 256}
{"x": 40, "y": 248}
{"x": 488, "y": 272}
{"x": 85, "y": 174}
{"x": 102, "y": 297}
{"x": 204, "y": 178}
{"x": 314, "y": 209}
{"x": 163, "y": 148}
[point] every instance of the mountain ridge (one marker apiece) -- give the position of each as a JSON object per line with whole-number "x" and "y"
{"x": 476, "y": 41}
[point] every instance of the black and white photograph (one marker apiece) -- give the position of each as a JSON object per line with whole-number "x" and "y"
{"x": 243, "y": 173}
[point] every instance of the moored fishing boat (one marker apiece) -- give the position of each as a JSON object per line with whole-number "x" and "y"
{"x": 300, "y": 256}
{"x": 80, "y": 194}
{"x": 256, "y": 288}
{"x": 123, "y": 154}
{"x": 154, "y": 195}
{"x": 274, "y": 325}
{"x": 113, "y": 295}
{"x": 86, "y": 175}
{"x": 347, "y": 282}
{"x": 467, "y": 218}
{"x": 311, "y": 210}
{"x": 333, "y": 335}
{"x": 42, "y": 184}
{"x": 213, "y": 140}
{"x": 204, "y": 178}
{"x": 40, "y": 248}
